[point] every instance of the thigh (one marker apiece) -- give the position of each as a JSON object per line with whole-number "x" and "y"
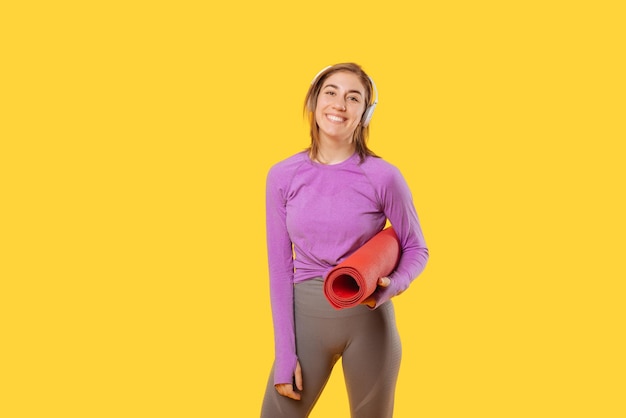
{"x": 371, "y": 363}
{"x": 317, "y": 364}
{"x": 319, "y": 343}
{"x": 278, "y": 406}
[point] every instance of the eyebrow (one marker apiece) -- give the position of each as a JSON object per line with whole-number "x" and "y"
{"x": 337, "y": 88}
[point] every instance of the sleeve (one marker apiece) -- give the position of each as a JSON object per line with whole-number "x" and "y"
{"x": 280, "y": 262}
{"x": 397, "y": 202}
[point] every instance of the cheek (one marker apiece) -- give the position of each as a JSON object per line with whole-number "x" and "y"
{"x": 318, "y": 110}
{"x": 320, "y": 106}
{"x": 358, "y": 115}
{"x": 318, "y": 115}
{"x": 321, "y": 101}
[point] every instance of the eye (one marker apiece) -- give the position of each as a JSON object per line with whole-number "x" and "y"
{"x": 354, "y": 98}
{"x": 330, "y": 92}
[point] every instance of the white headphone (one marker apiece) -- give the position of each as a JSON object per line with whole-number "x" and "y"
{"x": 369, "y": 111}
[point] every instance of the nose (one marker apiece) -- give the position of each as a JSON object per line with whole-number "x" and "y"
{"x": 340, "y": 104}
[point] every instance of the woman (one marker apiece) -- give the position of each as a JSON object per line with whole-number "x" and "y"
{"x": 322, "y": 205}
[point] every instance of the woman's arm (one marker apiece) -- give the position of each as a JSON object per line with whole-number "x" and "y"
{"x": 397, "y": 202}
{"x": 280, "y": 262}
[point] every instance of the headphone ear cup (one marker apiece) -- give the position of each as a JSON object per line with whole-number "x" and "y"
{"x": 367, "y": 115}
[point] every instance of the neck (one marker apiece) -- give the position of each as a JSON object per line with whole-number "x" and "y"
{"x": 334, "y": 153}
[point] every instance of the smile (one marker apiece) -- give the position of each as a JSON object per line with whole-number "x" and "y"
{"x": 334, "y": 118}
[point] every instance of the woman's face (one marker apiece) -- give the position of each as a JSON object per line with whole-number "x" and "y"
{"x": 340, "y": 105}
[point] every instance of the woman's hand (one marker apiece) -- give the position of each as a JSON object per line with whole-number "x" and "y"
{"x": 286, "y": 389}
{"x": 382, "y": 282}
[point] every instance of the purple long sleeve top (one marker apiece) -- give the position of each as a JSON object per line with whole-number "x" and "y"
{"x": 317, "y": 215}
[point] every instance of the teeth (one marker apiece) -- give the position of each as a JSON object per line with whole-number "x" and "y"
{"x": 335, "y": 118}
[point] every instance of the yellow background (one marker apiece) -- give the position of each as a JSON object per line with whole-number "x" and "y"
{"x": 135, "y": 139}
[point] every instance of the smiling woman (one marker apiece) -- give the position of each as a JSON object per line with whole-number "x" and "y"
{"x": 339, "y": 108}
{"x": 323, "y": 204}
{"x": 341, "y": 94}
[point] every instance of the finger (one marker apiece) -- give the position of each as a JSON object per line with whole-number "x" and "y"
{"x": 291, "y": 394}
{"x": 384, "y": 281}
{"x": 287, "y": 391}
{"x": 369, "y": 302}
{"x": 298, "y": 376}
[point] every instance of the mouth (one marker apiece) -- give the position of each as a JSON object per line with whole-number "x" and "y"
{"x": 335, "y": 118}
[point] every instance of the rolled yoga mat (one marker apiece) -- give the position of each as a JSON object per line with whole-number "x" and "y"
{"x": 355, "y": 279}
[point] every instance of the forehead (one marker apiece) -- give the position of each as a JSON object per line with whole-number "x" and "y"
{"x": 345, "y": 80}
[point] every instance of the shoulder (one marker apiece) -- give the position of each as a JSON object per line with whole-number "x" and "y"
{"x": 285, "y": 169}
{"x": 380, "y": 171}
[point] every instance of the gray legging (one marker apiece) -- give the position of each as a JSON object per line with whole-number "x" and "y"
{"x": 366, "y": 340}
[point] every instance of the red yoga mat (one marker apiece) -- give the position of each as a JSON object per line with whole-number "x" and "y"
{"x": 355, "y": 279}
